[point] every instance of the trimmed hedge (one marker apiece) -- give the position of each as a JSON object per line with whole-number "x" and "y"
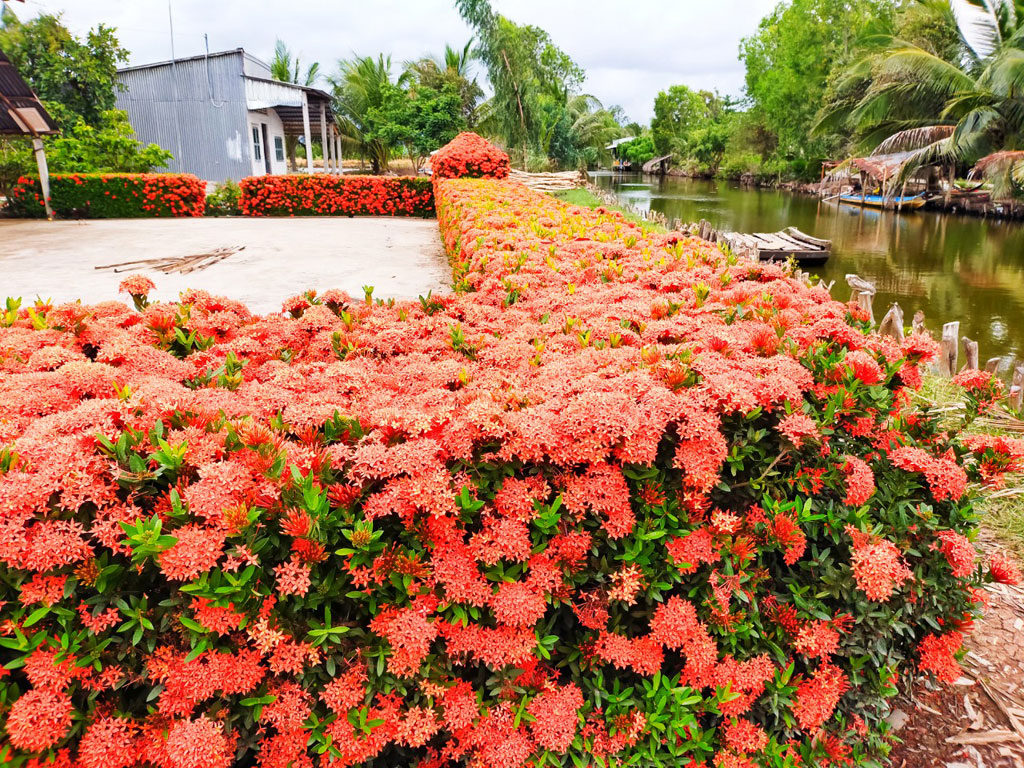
{"x": 621, "y": 499}
{"x": 327, "y": 195}
{"x": 112, "y": 195}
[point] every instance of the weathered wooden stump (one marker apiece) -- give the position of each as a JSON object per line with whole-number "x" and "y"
{"x": 950, "y": 348}
{"x": 971, "y": 353}
{"x": 892, "y": 323}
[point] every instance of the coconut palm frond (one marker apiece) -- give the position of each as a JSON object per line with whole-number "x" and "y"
{"x": 917, "y": 66}
{"x": 1004, "y": 75}
{"x": 914, "y": 138}
{"x": 981, "y": 24}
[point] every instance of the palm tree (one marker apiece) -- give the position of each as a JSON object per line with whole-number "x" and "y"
{"x": 359, "y": 87}
{"x": 286, "y": 68}
{"x": 953, "y": 112}
{"x": 454, "y": 67}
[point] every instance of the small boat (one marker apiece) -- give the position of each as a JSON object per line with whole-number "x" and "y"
{"x": 880, "y": 201}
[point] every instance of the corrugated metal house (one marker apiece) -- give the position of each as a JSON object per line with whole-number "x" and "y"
{"x": 222, "y": 116}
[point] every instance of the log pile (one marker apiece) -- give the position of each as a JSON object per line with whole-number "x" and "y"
{"x": 549, "y": 182}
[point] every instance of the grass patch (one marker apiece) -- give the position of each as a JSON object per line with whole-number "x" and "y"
{"x": 584, "y": 198}
{"x": 1001, "y": 510}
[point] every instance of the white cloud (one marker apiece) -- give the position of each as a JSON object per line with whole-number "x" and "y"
{"x": 629, "y": 50}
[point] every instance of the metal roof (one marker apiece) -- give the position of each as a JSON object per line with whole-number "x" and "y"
{"x": 21, "y": 113}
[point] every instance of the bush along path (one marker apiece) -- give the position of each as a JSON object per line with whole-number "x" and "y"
{"x": 620, "y": 499}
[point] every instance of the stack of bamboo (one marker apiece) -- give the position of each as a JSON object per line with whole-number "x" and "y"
{"x": 549, "y": 182}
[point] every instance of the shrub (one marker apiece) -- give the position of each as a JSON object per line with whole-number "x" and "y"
{"x": 111, "y": 195}
{"x": 325, "y": 195}
{"x": 621, "y": 497}
{"x": 469, "y": 155}
{"x": 225, "y": 200}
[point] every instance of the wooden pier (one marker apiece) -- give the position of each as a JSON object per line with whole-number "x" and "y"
{"x": 789, "y": 243}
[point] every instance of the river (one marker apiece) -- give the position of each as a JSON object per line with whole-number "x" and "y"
{"x": 952, "y": 267}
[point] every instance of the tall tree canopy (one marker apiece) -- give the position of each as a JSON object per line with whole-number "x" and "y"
{"x": 75, "y": 77}
{"x": 527, "y": 73}
{"x": 789, "y": 61}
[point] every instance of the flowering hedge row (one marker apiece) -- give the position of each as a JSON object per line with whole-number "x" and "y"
{"x": 112, "y": 195}
{"x": 620, "y": 499}
{"x": 469, "y": 155}
{"x": 325, "y": 195}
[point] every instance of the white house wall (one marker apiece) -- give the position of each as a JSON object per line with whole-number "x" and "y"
{"x": 275, "y": 130}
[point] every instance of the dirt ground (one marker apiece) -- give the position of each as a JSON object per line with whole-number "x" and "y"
{"x": 978, "y": 722}
{"x": 260, "y": 261}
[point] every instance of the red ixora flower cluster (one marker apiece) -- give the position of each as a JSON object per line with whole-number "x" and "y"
{"x": 112, "y": 195}
{"x": 469, "y": 156}
{"x": 612, "y": 497}
{"x": 325, "y": 195}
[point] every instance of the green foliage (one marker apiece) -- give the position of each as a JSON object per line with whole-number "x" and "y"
{"x": 638, "y": 151}
{"x": 224, "y": 200}
{"x": 420, "y": 119}
{"x": 361, "y": 86}
{"x": 693, "y": 125}
{"x": 77, "y": 74}
{"x": 453, "y": 70}
{"x": 537, "y": 110}
{"x": 945, "y": 87}
{"x": 789, "y": 61}
{"x": 108, "y": 146}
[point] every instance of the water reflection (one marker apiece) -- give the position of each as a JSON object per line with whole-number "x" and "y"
{"x": 952, "y": 267}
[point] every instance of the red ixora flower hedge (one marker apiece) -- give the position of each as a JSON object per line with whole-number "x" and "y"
{"x": 112, "y": 195}
{"x": 469, "y": 155}
{"x": 621, "y": 497}
{"x": 325, "y": 195}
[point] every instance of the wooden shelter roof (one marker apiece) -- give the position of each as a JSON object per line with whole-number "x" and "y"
{"x": 21, "y": 112}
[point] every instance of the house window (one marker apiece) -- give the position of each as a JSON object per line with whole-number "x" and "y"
{"x": 279, "y": 148}
{"x": 257, "y": 143}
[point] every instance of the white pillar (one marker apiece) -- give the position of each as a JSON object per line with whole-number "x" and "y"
{"x": 339, "y": 159}
{"x": 44, "y": 174}
{"x": 324, "y": 146}
{"x": 308, "y": 133}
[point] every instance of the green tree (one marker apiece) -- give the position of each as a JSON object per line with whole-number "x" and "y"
{"x": 527, "y": 73}
{"x": 952, "y": 105}
{"x": 454, "y": 69}
{"x": 77, "y": 74}
{"x": 361, "y": 87}
{"x": 287, "y": 68}
{"x": 789, "y": 61}
{"x": 420, "y": 119}
{"x": 638, "y": 151}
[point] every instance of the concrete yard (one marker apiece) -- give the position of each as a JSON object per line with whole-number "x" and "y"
{"x": 401, "y": 258}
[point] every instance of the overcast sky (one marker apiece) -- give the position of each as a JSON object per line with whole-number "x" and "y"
{"x": 630, "y": 50}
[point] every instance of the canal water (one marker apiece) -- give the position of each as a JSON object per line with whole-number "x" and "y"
{"x": 951, "y": 267}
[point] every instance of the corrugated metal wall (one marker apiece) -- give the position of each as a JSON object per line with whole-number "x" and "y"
{"x": 203, "y": 122}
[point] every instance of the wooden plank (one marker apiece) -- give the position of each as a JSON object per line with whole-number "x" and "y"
{"x": 798, "y": 235}
{"x": 774, "y": 243}
{"x": 795, "y": 243}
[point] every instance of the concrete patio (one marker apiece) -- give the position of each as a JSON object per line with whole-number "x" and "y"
{"x": 58, "y": 260}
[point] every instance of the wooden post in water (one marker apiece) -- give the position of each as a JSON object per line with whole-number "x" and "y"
{"x": 892, "y": 323}
{"x": 993, "y": 364}
{"x": 971, "y": 353}
{"x": 950, "y": 348}
{"x": 863, "y": 293}
{"x": 918, "y": 323}
{"x": 1017, "y": 388}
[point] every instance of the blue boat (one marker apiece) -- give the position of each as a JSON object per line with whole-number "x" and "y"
{"x": 880, "y": 201}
